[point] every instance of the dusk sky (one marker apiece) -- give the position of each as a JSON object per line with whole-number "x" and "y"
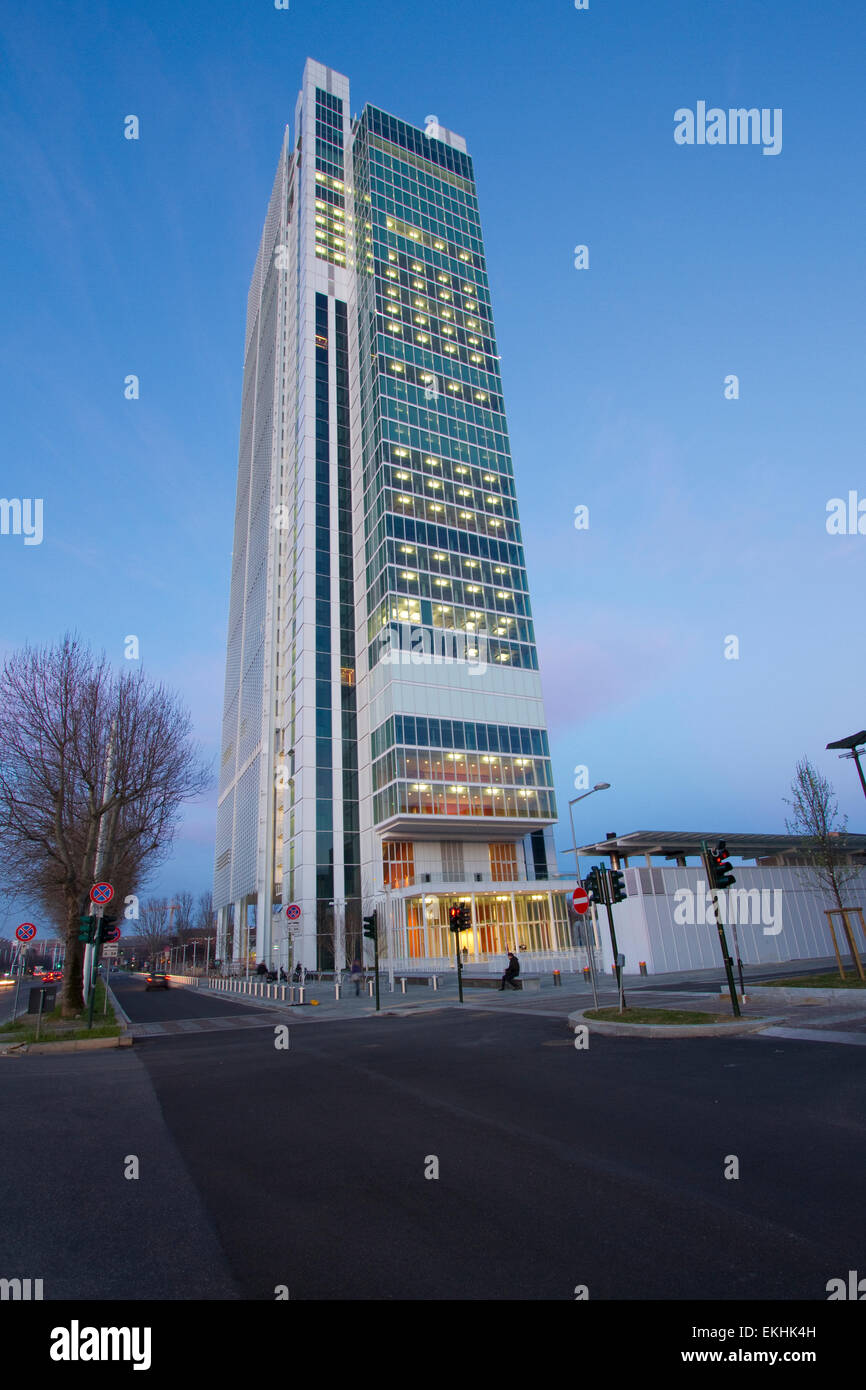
{"x": 707, "y": 515}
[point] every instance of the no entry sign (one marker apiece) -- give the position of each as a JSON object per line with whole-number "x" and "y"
{"x": 26, "y": 931}
{"x": 101, "y": 893}
{"x": 580, "y": 900}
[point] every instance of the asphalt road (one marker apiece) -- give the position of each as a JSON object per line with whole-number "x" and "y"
{"x": 156, "y": 1005}
{"x": 305, "y": 1167}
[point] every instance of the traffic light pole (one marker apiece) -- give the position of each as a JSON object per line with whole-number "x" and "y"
{"x": 605, "y": 888}
{"x": 729, "y": 964}
{"x": 376, "y": 965}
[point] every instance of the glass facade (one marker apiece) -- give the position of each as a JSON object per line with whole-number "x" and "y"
{"x": 382, "y": 672}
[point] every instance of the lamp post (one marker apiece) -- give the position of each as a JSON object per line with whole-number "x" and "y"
{"x": 599, "y": 787}
{"x": 855, "y": 744}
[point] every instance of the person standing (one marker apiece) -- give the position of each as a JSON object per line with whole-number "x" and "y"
{"x": 356, "y": 976}
{"x": 512, "y": 971}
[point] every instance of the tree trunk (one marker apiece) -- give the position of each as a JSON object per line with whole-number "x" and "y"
{"x": 72, "y": 994}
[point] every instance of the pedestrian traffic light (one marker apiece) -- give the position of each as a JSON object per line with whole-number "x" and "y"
{"x": 720, "y": 866}
{"x": 107, "y": 925}
{"x": 370, "y": 929}
{"x": 617, "y": 886}
{"x": 459, "y": 915}
{"x": 86, "y": 929}
{"x": 593, "y": 887}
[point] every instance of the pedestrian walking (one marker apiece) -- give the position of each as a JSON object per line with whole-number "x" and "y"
{"x": 512, "y": 971}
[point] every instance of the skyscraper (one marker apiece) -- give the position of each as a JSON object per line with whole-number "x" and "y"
{"x": 384, "y": 742}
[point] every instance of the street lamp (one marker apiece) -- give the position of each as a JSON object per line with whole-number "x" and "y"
{"x": 855, "y": 746}
{"x": 599, "y": 787}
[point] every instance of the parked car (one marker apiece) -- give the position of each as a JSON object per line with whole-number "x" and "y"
{"x": 156, "y": 980}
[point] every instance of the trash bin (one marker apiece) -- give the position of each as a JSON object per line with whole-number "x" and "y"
{"x": 48, "y": 995}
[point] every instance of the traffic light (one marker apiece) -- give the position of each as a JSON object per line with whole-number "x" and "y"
{"x": 720, "y": 866}
{"x": 86, "y": 929}
{"x": 106, "y": 927}
{"x": 593, "y": 887}
{"x": 370, "y": 929}
{"x": 617, "y": 886}
{"x": 459, "y": 915}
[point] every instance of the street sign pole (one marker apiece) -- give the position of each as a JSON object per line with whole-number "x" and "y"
{"x": 590, "y": 951}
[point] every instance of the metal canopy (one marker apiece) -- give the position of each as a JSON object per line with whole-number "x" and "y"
{"x": 674, "y": 844}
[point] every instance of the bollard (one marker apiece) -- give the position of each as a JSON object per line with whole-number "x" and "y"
{"x": 435, "y": 980}
{"x": 336, "y": 989}
{"x": 403, "y": 982}
{"x": 370, "y": 988}
{"x": 642, "y": 965}
{"x": 557, "y": 978}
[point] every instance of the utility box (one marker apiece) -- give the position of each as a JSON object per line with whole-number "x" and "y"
{"x": 47, "y": 994}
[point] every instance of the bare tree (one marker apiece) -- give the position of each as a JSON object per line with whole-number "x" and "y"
{"x": 183, "y": 926}
{"x": 91, "y": 761}
{"x": 153, "y": 932}
{"x": 815, "y": 816}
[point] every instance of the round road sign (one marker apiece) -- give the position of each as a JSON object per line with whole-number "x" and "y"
{"x": 113, "y": 934}
{"x": 580, "y": 900}
{"x": 26, "y": 931}
{"x": 293, "y": 912}
{"x": 101, "y": 893}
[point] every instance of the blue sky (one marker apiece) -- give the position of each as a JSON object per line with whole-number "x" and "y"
{"x": 707, "y": 515}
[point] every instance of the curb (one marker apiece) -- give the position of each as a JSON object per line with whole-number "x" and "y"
{"x": 846, "y": 998}
{"x": 672, "y": 1030}
{"x": 79, "y": 1045}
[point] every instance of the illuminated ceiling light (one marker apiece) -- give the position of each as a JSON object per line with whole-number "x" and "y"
{"x": 416, "y": 266}
{"x": 408, "y": 574}
{"x": 434, "y": 463}
{"x": 461, "y": 469}
{"x": 435, "y": 508}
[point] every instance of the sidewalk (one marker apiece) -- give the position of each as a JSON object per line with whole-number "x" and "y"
{"x": 558, "y": 1001}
